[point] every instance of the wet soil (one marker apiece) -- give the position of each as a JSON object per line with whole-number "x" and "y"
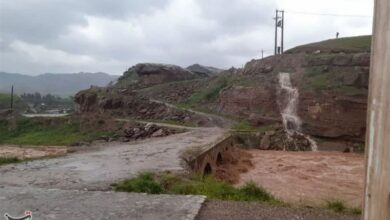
{"x": 309, "y": 178}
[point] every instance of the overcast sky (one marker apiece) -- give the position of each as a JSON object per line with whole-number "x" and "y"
{"x": 38, "y": 36}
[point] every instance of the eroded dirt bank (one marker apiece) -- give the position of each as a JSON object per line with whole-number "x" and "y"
{"x": 309, "y": 178}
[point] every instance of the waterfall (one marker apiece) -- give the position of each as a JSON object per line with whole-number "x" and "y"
{"x": 288, "y": 103}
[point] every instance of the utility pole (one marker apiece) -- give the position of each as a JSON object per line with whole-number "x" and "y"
{"x": 279, "y": 23}
{"x": 282, "y": 40}
{"x": 377, "y": 188}
{"x": 12, "y": 97}
{"x": 276, "y": 31}
{"x": 262, "y": 54}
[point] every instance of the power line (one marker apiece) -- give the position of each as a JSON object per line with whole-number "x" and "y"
{"x": 328, "y": 14}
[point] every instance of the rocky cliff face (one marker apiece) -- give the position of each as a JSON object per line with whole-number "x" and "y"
{"x": 332, "y": 86}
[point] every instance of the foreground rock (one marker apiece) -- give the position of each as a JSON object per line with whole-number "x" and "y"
{"x": 75, "y": 205}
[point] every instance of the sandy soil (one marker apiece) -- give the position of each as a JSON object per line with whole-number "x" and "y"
{"x": 309, "y": 178}
{"x": 31, "y": 152}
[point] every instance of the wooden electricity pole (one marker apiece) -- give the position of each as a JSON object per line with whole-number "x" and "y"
{"x": 377, "y": 189}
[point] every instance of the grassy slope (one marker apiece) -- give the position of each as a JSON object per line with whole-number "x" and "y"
{"x": 33, "y": 131}
{"x": 317, "y": 78}
{"x": 359, "y": 43}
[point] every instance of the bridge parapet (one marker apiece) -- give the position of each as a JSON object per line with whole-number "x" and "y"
{"x": 207, "y": 161}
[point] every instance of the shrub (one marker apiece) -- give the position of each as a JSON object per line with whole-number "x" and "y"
{"x": 250, "y": 191}
{"x": 144, "y": 182}
{"x": 211, "y": 92}
{"x": 336, "y": 205}
{"x": 196, "y": 185}
{"x": 7, "y": 160}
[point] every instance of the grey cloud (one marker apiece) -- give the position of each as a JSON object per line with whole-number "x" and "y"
{"x": 115, "y": 34}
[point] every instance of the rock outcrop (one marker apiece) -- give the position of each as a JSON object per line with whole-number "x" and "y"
{"x": 204, "y": 71}
{"x": 149, "y": 74}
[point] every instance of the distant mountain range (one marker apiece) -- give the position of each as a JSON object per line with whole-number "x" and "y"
{"x": 62, "y": 84}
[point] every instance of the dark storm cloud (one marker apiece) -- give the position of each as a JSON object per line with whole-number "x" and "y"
{"x": 105, "y": 35}
{"x": 42, "y": 20}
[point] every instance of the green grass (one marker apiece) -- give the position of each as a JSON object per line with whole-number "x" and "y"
{"x": 207, "y": 186}
{"x": 358, "y": 43}
{"x": 31, "y": 131}
{"x": 245, "y": 126}
{"x": 211, "y": 92}
{"x": 317, "y": 80}
{"x": 179, "y": 123}
{"x": 144, "y": 183}
{"x": 351, "y": 90}
{"x": 339, "y": 206}
{"x": 128, "y": 78}
{"x": 8, "y": 160}
{"x": 336, "y": 206}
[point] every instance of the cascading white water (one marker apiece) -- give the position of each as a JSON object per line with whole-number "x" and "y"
{"x": 288, "y": 102}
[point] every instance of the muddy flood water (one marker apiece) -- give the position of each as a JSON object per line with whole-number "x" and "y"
{"x": 309, "y": 178}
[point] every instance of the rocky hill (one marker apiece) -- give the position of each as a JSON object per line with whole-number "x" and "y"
{"x": 331, "y": 78}
{"x": 148, "y": 74}
{"x": 62, "y": 84}
{"x": 204, "y": 70}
